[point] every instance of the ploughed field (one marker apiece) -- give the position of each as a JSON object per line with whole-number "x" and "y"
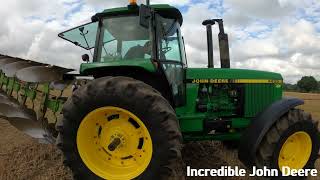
{"x": 21, "y": 157}
{"x": 312, "y": 102}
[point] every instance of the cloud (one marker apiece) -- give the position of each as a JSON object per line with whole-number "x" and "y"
{"x": 240, "y": 12}
{"x": 116, "y": 3}
{"x": 301, "y": 36}
{"x": 259, "y": 41}
{"x": 195, "y": 33}
{"x": 275, "y": 35}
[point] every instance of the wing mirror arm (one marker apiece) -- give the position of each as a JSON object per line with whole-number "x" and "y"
{"x": 145, "y": 13}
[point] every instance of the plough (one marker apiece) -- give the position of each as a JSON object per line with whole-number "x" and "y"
{"x": 32, "y": 95}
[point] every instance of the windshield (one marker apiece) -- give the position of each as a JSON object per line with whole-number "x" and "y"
{"x": 83, "y": 36}
{"x": 123, "y": 38}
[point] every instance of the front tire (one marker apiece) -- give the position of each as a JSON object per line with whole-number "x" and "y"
{"x": 113, "y": 117}
{"x": 293, "y": 141}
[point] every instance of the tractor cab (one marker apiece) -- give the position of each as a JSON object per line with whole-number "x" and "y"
{"x": 118, "y": 35}
{"x": 112, "y": 39}
{"x": 135, "y": 37}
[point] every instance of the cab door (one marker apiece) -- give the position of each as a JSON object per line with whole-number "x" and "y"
{"x": 171, "y": 54}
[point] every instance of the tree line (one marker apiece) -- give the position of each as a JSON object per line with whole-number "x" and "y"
{"x": 305, "y": 84}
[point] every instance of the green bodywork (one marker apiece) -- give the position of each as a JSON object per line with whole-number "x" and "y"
{"x": 133, "y": 63}
{"x": 257, "y": 96}
{"x": 203, "y": 73}
{"x": 210, "y": 103}
{"x": 209, "y": 95}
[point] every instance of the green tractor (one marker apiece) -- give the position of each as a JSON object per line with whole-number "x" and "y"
{"x": 143, "y": 102}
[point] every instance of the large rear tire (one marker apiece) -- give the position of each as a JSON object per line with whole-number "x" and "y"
{"x": 113, "y": 117}
{"x": 293, "y": 141}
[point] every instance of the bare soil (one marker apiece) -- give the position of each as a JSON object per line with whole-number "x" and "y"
{"x": 211, "y": 155}
{"x": 312, "y": 102}
{"x": 23, "y": 158}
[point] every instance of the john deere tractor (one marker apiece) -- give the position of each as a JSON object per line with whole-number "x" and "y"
{"x": 143, "y": 102}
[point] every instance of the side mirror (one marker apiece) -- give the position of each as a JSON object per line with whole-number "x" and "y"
{"x": 85, "y": 58}
{"x": 145, "y": 15}
{"x": 81, "y": 29}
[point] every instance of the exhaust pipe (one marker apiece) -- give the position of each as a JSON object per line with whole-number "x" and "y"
{"x": 223, "y": 46}
{"x": 223, "y": 43}
{"x": 208, "y": 23}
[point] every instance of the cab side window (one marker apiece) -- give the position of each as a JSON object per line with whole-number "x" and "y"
{"x": 170, "y": 48}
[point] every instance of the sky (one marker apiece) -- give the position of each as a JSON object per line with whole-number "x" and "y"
{"x": 282, "y": 36}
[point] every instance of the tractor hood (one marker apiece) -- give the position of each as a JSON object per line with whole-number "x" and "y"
{"x": 232, "y": 74}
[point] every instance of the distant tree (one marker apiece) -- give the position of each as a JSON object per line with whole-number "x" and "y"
{"x": 307, "y": 84}
{"x": 290, "y": 87}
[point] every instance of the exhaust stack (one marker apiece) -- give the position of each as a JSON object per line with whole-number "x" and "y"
{"x": 223, "y": 43}
{"x": 223, "y": 46}
{"x": 208, "y": 23}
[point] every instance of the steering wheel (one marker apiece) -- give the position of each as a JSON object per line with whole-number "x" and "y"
{"x": 166, "y": 49}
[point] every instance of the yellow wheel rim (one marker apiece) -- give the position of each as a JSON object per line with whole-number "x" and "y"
{"x": 114, "y": 143}
{"x": 296, "y": 151}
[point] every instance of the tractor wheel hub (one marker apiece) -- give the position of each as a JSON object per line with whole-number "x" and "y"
{"x": 114, "y": 143}
{"x": 296, "y": 151}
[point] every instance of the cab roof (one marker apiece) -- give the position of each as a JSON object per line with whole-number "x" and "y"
{"x": 164, "y": 10}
